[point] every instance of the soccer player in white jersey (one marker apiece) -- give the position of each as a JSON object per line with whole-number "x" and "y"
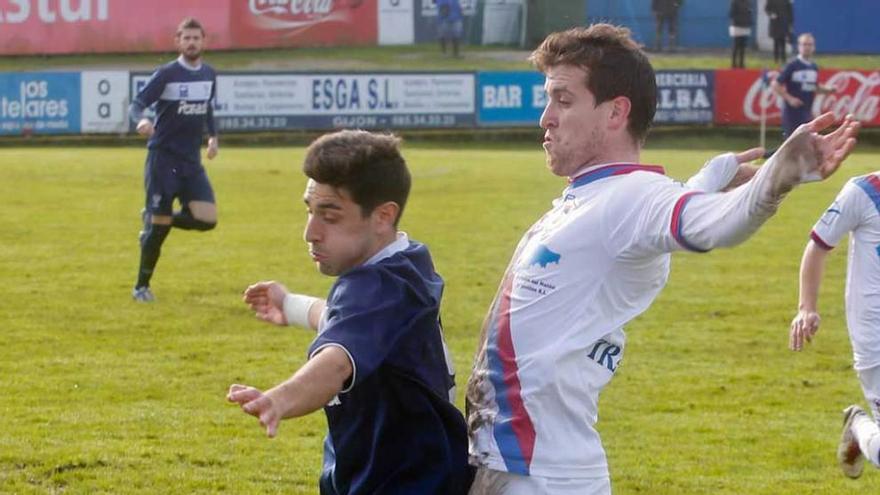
{"x": 554, "y": 336}
{"x": 856, "y": 210}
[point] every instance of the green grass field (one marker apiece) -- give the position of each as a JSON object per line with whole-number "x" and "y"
{"x": 102, "y": 395}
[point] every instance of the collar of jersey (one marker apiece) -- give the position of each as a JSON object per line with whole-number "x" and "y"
{"x": 182, "y": 62}
{"x": 399, "y": 244}
{"x": 597, "y": 172}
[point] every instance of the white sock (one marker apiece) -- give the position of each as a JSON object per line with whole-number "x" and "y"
{"x": 868, "y": 434}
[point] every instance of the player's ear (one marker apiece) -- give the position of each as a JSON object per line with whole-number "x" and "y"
{"x": 619, "y": 116}
{"x": 386, "y": 214}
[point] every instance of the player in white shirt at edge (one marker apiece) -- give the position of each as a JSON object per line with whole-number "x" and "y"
{"x": 855, "y": 210}
{"x": 554, "y": 337}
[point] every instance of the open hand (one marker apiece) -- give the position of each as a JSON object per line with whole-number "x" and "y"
{"x": 266, "y": 299}
{"x": 258, "y": 404}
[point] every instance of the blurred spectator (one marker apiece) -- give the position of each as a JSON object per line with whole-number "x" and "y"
{"x": 666, "y": 12}
{"x": 740, "y": 30}
{"x": 449, "y": 24}
{"x": 781, "y": 14}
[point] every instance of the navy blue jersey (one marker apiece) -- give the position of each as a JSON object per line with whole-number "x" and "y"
{"x": 392, "y": 429}
{"x": 800, "y": 79}
{"x": 183, "y": 98}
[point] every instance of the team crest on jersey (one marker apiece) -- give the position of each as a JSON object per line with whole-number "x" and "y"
{"x": 830, "y": 214}
{"x": 539, "y": 256}
{"x": 184, "y": 91}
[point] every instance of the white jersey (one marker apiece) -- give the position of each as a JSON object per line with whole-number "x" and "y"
{"x": 857, "y": 209}
{"x": 554, "y": 335}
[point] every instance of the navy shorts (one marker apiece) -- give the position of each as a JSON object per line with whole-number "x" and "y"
{"x": 449, "y": 30}
{"x": 792, "y": 118}
{"x": 167, "y": 177}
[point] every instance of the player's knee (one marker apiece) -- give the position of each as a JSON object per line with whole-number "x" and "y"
{"x": 205, "y": 226}
{"x": 155, "y": 235}
{"x": 203, "y": 223}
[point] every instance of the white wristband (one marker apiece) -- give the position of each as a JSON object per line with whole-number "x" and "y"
{"x": 296, "y": 309}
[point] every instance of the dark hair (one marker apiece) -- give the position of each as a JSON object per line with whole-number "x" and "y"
{"x": 615, "y": 66}
{"x": 189, "y": 23}
{"x": 369, "y": 166}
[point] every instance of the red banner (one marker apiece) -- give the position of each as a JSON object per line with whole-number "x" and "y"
{"x": 261, "y": 23}
{"x": 103, "y": 26}
{"x": 741, "y": 94}
{"x": 116, "y": 26}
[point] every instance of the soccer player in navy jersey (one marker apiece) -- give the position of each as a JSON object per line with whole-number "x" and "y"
{"x": 798, "y": 84}
{"x": 183, "y": 91}
{"x": 378, "y": 365}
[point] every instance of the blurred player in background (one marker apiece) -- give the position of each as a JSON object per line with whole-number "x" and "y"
{"x": 378, "y": 366}
{"x": 797, "y": 85}
{"x": 554, "y": 336}
{"x": 183, "y": 91}
{"x": 781, "y": 14}
{"x": 856, "y": 210}
{"x": 449, "y": 24}
{"x": 666, "y": 13}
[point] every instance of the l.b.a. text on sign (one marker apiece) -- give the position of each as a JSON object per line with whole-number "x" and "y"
{"x": 684, "y": 97}
{"x": 351, "y": 94}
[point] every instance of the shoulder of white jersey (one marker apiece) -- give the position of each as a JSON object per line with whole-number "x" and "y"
{"x": 867, "y": 187}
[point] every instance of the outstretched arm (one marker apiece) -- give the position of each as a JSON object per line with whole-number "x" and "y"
{"x": 806, "y": 323}
{"x": 309, "y": 389}
{"x": 726, "y": 171}
{"x": 726, "y": 219}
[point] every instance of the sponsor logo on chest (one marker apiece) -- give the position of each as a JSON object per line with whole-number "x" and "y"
{"x": 187, "y": 108}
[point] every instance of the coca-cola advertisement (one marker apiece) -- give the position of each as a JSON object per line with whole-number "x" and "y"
{"x": 742, "y": 95}
{"x": 262, "y": 23}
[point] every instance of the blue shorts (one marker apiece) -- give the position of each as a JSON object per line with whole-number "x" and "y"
{"x": 449, "y": 30}
{"x": 167, "y": 177}
{"x": 792, "y": 118}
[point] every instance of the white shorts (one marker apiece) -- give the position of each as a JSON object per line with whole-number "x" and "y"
{"x": 737, "y": 31}
{"x": 870, "y": 379}
{"x": 491, "y": 482}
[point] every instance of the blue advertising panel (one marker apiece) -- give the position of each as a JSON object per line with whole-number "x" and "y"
{"x": 39, "y": 103}
{"x": 685, "y": 97}
{"x": 510, "y": 98}
{"x": 277, "y": 100}
{"x": 518, "y": 98}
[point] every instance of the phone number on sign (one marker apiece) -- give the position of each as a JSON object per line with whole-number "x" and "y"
{"x": 423, "y": 120}
{"x": 233, "y": 123}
